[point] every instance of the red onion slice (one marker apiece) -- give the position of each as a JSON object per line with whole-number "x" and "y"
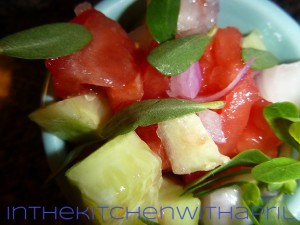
{"x": 213, "y": 124}
{"x": 197, "y": 16}
{"x": 187, "y": 84}
{"x": 224, "y": 91}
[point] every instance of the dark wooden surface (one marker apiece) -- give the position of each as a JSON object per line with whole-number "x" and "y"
{"x": 23, "y": 164}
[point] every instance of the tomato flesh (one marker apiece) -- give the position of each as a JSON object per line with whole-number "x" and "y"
{"x": 258, "y": 134}
{"x": 108, "y": 60}
{"x": 121, "y": 97}
{"x": 148, "y": 134}
{"x": 221, "y": 60}
{"x": 235, "y": 114}
{"x": 155, "y": 83}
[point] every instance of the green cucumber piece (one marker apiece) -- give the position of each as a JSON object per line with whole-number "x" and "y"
{"x": 123, "y": 176}
{"x": 253, "y": 40}
{"x": 75, "y": 119}
{"x": 177, "y": 209}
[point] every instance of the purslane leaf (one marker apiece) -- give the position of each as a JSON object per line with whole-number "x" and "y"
{"x": 281, "y": 116}
{"x": 263, "y": 59}
{"x": 251, "y": 212}
{"x": 46, "y": 41}
{"x": 294, "y": 131}
{"x": 148, "y": 222}
{"x": 162, "y": 16}
{"x": 277, "y": 170}
{"x": 219, "y": 179}
{"x": 153, "y": 111}
{"x": 250, "y": 158}
{"x": 277, "y": 213}
{"x": 176, "y": 56}
{"x": 251, "y": 195}
{"x": 287, "y": 187}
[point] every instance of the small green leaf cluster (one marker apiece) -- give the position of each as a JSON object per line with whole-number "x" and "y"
{"x": 273, "y": 216}
{"x": 277, "y": 174}
{"x": 283, "y": 117}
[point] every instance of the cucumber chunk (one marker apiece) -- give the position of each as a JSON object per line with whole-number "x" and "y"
{"x": 74, "y": 119}
{"x": 189, "y": 146}
{"x": 123, "y": 176}
{"x": 253, "y": 40}
{"x": 176, "y": 209}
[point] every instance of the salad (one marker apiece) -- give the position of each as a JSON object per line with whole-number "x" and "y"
{"x": 173, "y": 122}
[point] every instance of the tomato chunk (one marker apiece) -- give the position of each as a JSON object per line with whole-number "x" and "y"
{"x": 235, "y": 114}
{"x": 155, "y": 83}
{"x": 221, "y": 60}
{"x": 121, "y": 97}
{"x": 258, "y": 134}
{"x": 108, "y": 60}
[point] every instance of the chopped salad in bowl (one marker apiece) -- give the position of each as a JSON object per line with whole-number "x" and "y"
{"x": 189, "y": 116}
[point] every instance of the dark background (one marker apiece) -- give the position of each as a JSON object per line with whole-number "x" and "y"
{"x": 23, "y": 164}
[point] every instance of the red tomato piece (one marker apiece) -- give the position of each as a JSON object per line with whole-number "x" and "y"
{"x": 258, "y": 134}
{"x": 257, "y": 116}
{"x": 235, "y": 114}
{"x": 221, "y": 60}
{"x": 122, "y": 97}
{"x": 155, "y": 83}
{"x": 108, "y": 60}
{"x": 148, "y": 134}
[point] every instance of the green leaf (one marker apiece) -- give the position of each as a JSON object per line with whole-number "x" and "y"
{"x": 276, "y": 212}
{"x": 263, "y": 59}
{"x": 251, "y": 195}
{"x": 148, "y": 112}
{"x": 176, "y": 56}
{"x": 250, "y": 157}
{"x": 281, "y": 116}
{"x": 294, "y": 131}
{"x": 251, "y": 198}
{"x": 148, "y": 222}
{"x": 277, "y": 170}
{"x": 287, "y": 187}
{"x": 274, "y": 187}
{"x": 250, "y": 212}
{"x": 162, "y": 16}
{"x": 220, "y": 178}
{"x": 47, "y": 41}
